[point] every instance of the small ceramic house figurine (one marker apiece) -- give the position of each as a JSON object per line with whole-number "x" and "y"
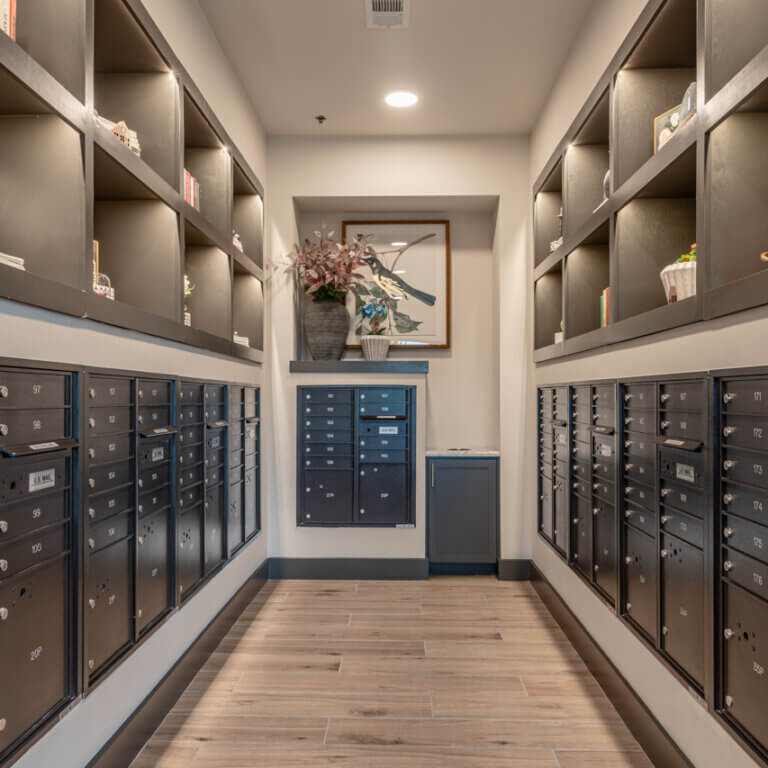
{"x": 679, "y": 279}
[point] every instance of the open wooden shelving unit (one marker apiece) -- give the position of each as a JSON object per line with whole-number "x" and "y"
{"x": 68, "y": 180}
{"x": 708, "y": 184}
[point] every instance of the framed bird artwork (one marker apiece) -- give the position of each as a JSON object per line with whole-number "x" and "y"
{"x": 405, "y": 290}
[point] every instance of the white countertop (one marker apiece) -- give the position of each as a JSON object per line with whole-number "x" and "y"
{"x": 465, "y": 452}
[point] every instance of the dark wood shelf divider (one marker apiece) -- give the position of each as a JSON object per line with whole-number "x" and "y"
{"x": 704, "y": 185}
{"x": 71, "y": 181}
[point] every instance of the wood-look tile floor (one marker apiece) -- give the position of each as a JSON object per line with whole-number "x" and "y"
{"x": 454, "y": 672}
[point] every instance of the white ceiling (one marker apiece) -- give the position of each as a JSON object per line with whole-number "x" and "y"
{"x": 478, "y": 66}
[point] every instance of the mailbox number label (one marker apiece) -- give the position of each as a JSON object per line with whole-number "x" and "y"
{"x": 685, "y": 472}
{"x": 39, "y": 481}
{"x": 388, "y": 430}
{"x": 158, "y": 454}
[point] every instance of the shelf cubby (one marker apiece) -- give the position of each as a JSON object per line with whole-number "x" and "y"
{"x": 652, "y": 81}
{"x": 138, "y": 238}
{"x": 41, "y": 25}
{"x": 248, "y": 306}
{"x": 42, "y": 204}
{"x": 209, "y": 271}
{"x": 738, "y": 32}
{"x": 208, "y": 160}
{"x": 652, "y": 230}
{"x": 248, "y": 215}
{"x": 548, "y": 306}
{"x": 587, "y": 274}
{"x": 737, "y": 179}
{"x": 587, "y": 161}
{"x": 134, "y": 83}
{"x": 547, "y": 213}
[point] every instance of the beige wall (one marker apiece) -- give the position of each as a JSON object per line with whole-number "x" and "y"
{"x": 35, "y": 334}
{"x": 434, "y": 167}
{"x": 734, "y": 341}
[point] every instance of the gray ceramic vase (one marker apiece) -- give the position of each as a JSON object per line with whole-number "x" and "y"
{"x": 326, "y": 326}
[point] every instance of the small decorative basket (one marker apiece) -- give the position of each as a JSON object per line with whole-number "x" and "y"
{"x": 375, "y": 347}
{"x": 682, "y": 277}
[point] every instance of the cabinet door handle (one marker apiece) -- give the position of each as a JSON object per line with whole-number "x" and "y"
{"x": 433, "y": 475}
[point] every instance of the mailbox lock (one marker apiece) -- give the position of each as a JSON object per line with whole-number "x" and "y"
{"x": 628, "y": 490}
{"x": 595, "y": 466}
{"x": 729, "y": 634}
{"x": 627, "y": 398}
{"x": 141, "y": 539}
{"x": 141, "y": 483}
{"x": 629, "y": 606}
{"x": 596, "y": 568}
{"x": 628, "y": 466}
{"x": 91, "y": 422}
{"x": 91, "y": 543}
{"x": 575, "y": 520}
{"x": 3, "y": 526}
{"x": 92, "y": 453}
{"x": 3, "y": 390}
{"x": 628, "y": 559}
{"x": 3, "y": 429}
{"x": 541, "y": 498}
{"x": 3, "y": 614}
{"x": 91, "y": 664}
{"x": 729, "y": 701}
{"x": 91, "y": 603}
{"x": 727, "y": 533}
{"x": 728, "y": 431}
{"x": 627, "y": 443}
{"x": 664, "y": 553}
{"x": 91, "y": 512}
{"x": 628, "y": 420}
{"x": 728, "y": 396}
{"x": 665, "y": 519}
{"x": 91, "y": 482}
{"x": 595, "y": 486}
{"x": 92, "y": 393}
{"x": 728, "y": 498}
{"x": 362, "y": 511}
{"x": 665, "y": 492}
{"x": 665, "y": 631}
{"x": 728, "y": 566}
{"x": 2, "y": 723}
{"x": 729, "y": 464}
{"x": 665, "y": 397}
{"x": 595, "y": 511}
{"x": 628, "y": 513}
{"x": 3, "y": 565}
{"x": 665, "y": 424}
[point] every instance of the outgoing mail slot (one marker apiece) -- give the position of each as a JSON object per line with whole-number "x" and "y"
{"x": 383, "y": 494}
{"x": 189, "y": 555}
{"x": 153, "y": 586}
{"x": 153, "y": 452}
{"x": 191, "y": 496}
{"x": 151, "y": 392}
{"x": 190, "y": 436}
{"x": 107, "y": 421}
{"x": 155, "y": 477}
{"x": 33, "y": 513}
{"x": 745, "y": 396}
{"x": 154, "y": 416}
{"x": 745, "y": 660}
{"x": 34, "y": 427}
{"x": 189, "y": 456}
{"x": 640, "y": 395}
{"x": 190, "y": 475}
{"x": 641, "y": 518}
{"x": 372, "y": 410}
{"x": 326, "y": 409}
{"x": 679, "y": 496}
{"x": 33, "y": 390}
{"x": 383, "y": 457}
{"x": 640, "y": 421}
{"x": 382, "y": 395}
{"x": 109, "y": 531}
{"x": 684, "y": 467}
{"x": 330, "y": 423}
{"x": 685, "y": 527}
{"x": 751, "y": 503}
{"x": 383, "y": 443}
{"x": 190, "y": 414}
{"x": 327, "y": 462}
{"x": 34, "y": 646}
{"x": 32, "y": 477}
{"x": 683, "y": 396}
{"x": 746, "y": 572}
{"x": 190, "y": 392}
{"x": 687, "y": 426}
{"x": 215, "y": 393}
{"x": 103, "y": 391}
{"x": 641, "y": 579}
{"x": 107, "y": 477}
{"x": 33, "y": 548}
{"x": 744, "y": 466}
{"x": 153, "y": 501}
{"x": 106, "y": 504}
{"x": 110, "y": 448}
{"x": 321, "y": 395}
{"x": 746, "y": 537}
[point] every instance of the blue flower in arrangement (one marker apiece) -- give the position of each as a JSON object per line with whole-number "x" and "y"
{"x": 367, "y": 310}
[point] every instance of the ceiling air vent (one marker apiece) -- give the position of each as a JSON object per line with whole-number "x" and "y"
{"x": 387, "y": 14}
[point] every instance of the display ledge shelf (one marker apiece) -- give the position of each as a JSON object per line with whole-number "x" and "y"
{"x": 23, "y": 68}
{"x": 359, "y": 366}
{"x": 654, "y": 321}
{"x": 28, "y": 288}
{"x": 201, "y": 223}
{"x": 248, "y": 264}
{"x": 591, "y": 225}
{"x": 745, "y": 293}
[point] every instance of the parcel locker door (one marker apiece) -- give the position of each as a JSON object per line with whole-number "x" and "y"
{"x": 682, "y": 596}
{"x": 327, "y": 497}
{"x": 153, "y": 586}
{"x": 34, "y": 646}
{"x": 215, "y": 527}
{"x": 108, "y": 603}
{"x": 605, "y": 548}
{"x": 582, "y": 532}
{"x": 546, "y": 507}
{"x": 745, "y": 651}
{"x": 190, "y": 550}
{"x": 251, "y": 501}
{"x": 561, "y": 528}
{"x": 383, "y": 493}
{"x": 640, "y": 577}
{"x": 235, "y": 517}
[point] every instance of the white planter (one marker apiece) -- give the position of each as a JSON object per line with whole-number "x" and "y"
{"x": 683, "y": 277}
{"x": 375, "y": 347}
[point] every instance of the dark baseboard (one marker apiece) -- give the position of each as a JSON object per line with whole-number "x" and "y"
{"x": 123, "y": 747}
{"x": 384, "y": 568}
{"x": 650, "y": 734}
{"x": 514, "y": 570}
{"x": 462, "y": 569}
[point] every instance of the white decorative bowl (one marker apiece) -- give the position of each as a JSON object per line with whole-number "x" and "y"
{"x": 375, "y": 347}
{"x": 682, "y": 276}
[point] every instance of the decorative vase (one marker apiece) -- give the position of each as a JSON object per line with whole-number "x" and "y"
{"x": 375, "y": 347}
{"x": 326, "y": 326}
{"x": 682, "y": 277}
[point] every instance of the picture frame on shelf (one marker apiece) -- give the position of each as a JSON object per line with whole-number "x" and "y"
{"x": 410, "y": 274}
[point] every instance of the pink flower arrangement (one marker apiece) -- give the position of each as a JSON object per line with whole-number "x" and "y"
{"x": 326, "y": 269}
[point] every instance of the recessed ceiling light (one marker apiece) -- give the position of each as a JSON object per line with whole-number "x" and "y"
{"x": 399, "y": 244}
{"x": 401, "y": 99}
